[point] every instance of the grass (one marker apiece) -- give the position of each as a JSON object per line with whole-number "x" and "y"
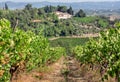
{"x": 68, "y": 43}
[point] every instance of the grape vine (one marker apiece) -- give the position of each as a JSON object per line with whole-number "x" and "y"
{"x": 23, "y": 50}
{"x": 104, "y": 52}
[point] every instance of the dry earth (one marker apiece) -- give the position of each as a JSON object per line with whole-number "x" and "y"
{"x": 82, "y": 36}
{"x": 66, "y": 69}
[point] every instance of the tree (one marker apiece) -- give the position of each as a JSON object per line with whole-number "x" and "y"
{"x": 80, "y": 13}
{"x": 41, "y": 11}
{"x": 52, "y": 8}
{"x": 62, "y": 8}
{"x": 46, "y": 9}
{"x": 28, "y": 7}
{"x": 70, "y": 11}
{"x": 49, "y": 9}
{"x": 6, "y": 6}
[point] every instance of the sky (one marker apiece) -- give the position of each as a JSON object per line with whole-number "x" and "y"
{"x": 57, "y": 0}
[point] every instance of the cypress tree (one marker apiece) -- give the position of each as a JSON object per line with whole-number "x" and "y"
{"x": 6, "y": 6}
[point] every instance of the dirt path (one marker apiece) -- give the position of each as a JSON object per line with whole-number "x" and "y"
{"x": 82, "y": 36}
{"x": 73, "y": 68}
{"x": 80, "y": 73}
{"x": 69, "y": 70}
{"x": 64, "y": 70}
{"x": 53, "y": 74}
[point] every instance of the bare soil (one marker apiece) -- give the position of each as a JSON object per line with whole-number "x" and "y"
{"x": 53, "y": 74}
{"x": 82, "y": 36}
{"x": 66, "y": 69}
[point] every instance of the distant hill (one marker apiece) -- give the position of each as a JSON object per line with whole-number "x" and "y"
{"x": 78, "y": 5}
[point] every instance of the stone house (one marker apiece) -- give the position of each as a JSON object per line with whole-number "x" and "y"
{"x": 62, "y": 15}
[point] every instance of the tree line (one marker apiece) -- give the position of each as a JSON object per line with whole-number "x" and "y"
{"x": 49, "y": 9}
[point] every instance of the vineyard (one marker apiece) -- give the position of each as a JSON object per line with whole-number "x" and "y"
{"x": 68, "y": 43}
{"x": 25, "y": 51}
{"x": 103, "y": 53}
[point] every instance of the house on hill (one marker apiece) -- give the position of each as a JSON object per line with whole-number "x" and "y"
{"x": 62, "y": 15}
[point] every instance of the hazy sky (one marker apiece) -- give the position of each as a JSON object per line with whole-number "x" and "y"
{"x": 56, "y": 0}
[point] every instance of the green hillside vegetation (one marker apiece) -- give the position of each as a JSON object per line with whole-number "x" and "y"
{"x": 68, "y": 43}
{"x": 99, "y": 22}
{"x": 35, "y": 19}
